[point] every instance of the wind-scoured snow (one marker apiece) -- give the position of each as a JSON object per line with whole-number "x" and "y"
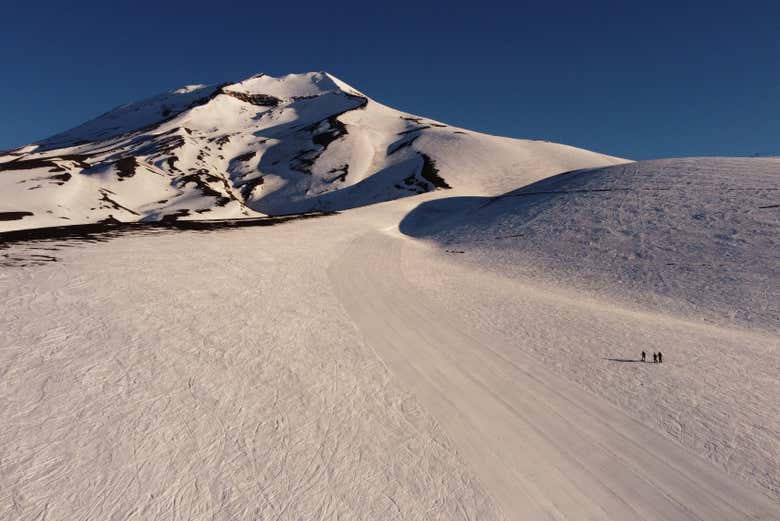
{"x": 262, "y": 146}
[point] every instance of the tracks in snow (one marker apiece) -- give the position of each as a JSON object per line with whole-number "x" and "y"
{"x": 544, "y": 448}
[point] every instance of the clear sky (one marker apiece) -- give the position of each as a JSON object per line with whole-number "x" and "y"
{"x": 634, "y": 79}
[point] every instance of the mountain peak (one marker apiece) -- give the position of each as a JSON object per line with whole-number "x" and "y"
{"x": 263, "y": 145}
{"x": 291, "y": 86}
{"x": 157, "y": 109}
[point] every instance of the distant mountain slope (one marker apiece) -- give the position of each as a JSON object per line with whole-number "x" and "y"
{"x": 696, "y": 236}
{"x": 261, "y": 146}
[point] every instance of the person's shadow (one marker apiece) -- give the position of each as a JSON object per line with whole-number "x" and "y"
{"x": 634, "y": 360}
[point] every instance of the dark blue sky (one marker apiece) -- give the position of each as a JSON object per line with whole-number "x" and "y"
{"x": 655, "y": 79}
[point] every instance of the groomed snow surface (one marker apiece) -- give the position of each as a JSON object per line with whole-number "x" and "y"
{"x": 446, "y": 356}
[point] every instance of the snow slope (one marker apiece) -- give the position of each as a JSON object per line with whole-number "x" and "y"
{"x": 261, "y": 146}
{"x": 694, "y": 237}
{"x": 680, "y": 256}
{"x": 468, "y": 353}
{"x": 520, "y": 378}
{"x": 355, "y": 373}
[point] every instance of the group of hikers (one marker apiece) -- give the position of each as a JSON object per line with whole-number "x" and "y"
{"x": 658, "y": 357}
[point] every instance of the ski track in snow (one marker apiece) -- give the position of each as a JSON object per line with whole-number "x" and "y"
{"x": 348, "y": 372}
{"x": 228, "y": 387}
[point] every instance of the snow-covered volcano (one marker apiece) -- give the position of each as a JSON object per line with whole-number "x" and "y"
{"x": 469, "y": 353}
{"x": 264, "y": 145}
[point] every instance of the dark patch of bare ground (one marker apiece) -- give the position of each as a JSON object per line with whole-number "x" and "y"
{"x": 431, "y": 180}
{"x": 60, "y": 179}
{"x": 335, "y": 130}
{"x": 341, "y": 172}
{"x": 40, "y": 162}
{"x": 126, "y": 166}
{"x": 30, "y": 243}
{"x": 247, "y": 187}
{"x": 412, "y": 184}
{"x": 260, "y": 100}
{"x": 245, "y": 157}
{"x": 402, "y": 143}
{"x": 201, "y": 178}
{"x": 419, "y": 121}
{"x": 431, "y": 174}
{"x": 303, "y": 161}
{"x": 13, "y": 216}
{"x": 221, "y": 141}
{"x": 412, "y": 130}
{"x": 110, "y": 203}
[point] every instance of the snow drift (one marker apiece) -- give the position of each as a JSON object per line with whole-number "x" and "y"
{"x": 696, "y": 236}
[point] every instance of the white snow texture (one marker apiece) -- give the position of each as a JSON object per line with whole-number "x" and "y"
{"x": 471, "y": 352}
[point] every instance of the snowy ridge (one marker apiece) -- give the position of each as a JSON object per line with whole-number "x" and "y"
{"x": 680, "y": 256}
{"x": 261, "y": 146}
{"x": 129, "y": 117}
{"x": 696, "y": 237}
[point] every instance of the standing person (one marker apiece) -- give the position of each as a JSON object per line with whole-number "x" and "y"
{"x": 660, "y": 357}
{"x": 655, "y": 358}
{"x": 643, "y": 356}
